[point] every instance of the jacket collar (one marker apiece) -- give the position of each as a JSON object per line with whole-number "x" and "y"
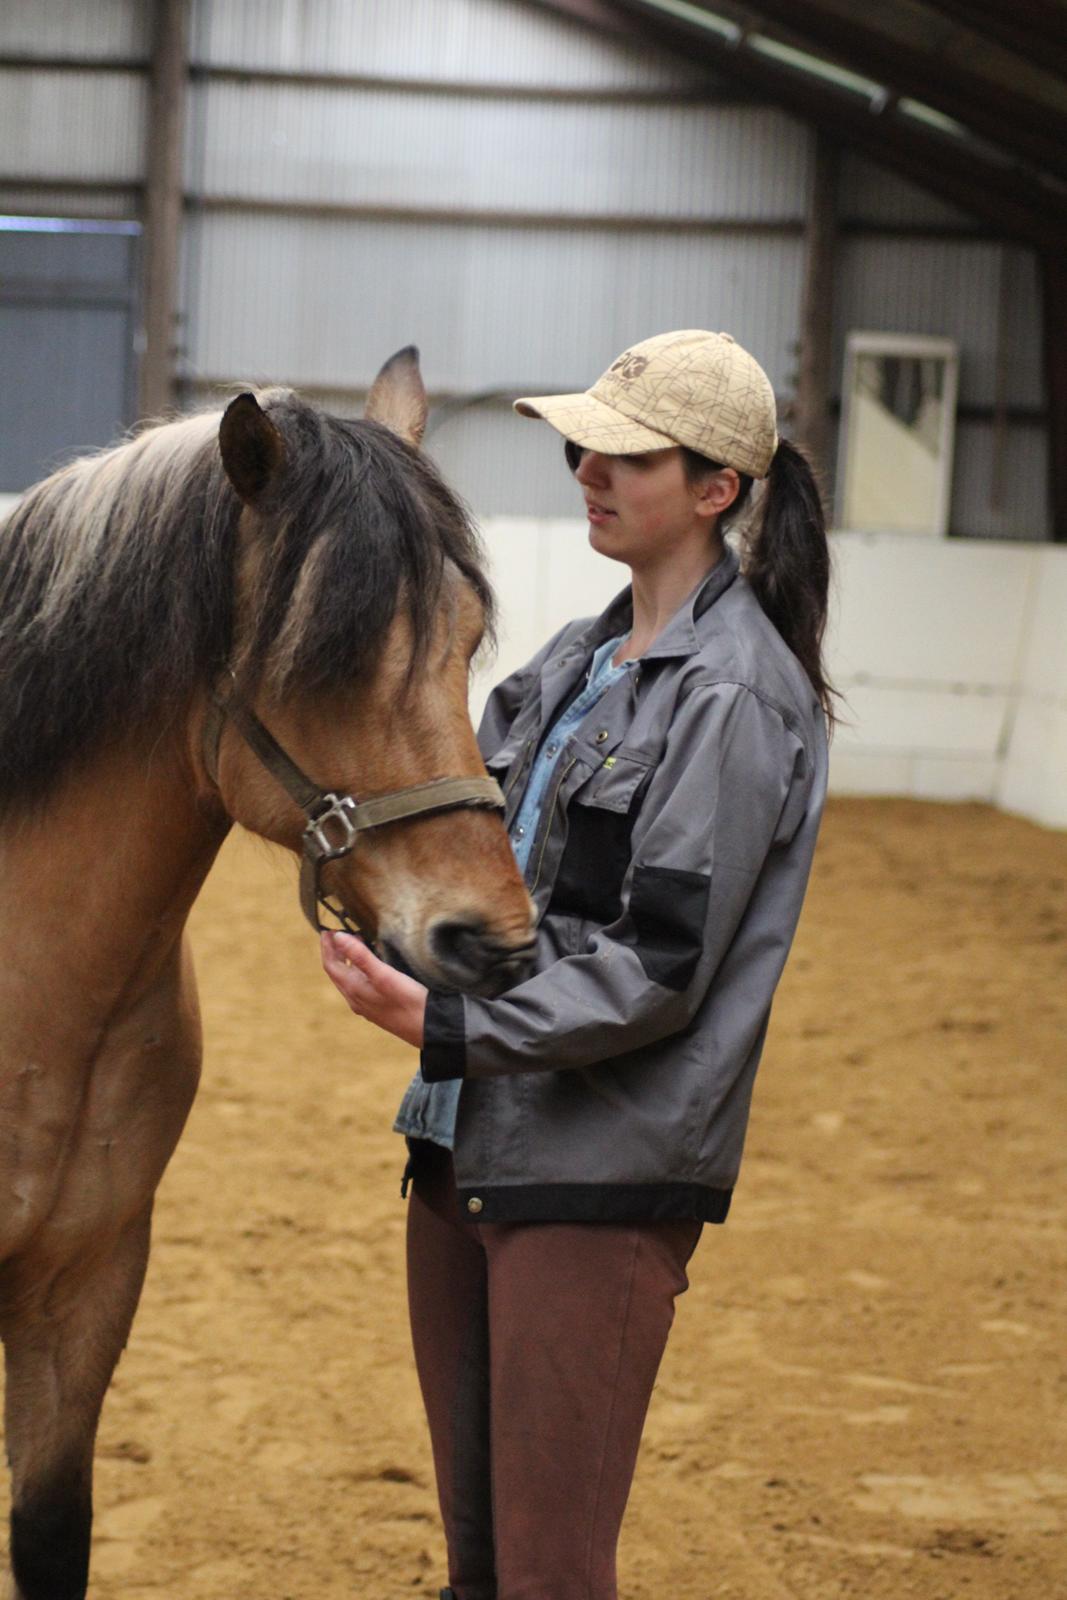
{"x": 680, "y": 637}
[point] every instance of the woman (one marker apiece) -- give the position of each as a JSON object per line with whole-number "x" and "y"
{"x": 665, "y": 768}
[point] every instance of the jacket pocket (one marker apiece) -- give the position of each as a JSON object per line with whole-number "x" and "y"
{"x": 596, "y": 854}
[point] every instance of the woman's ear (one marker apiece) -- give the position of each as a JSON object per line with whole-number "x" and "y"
{"x": 717, "y": 492}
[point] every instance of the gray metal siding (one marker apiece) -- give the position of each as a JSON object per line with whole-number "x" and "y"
{"x": 76, "y": 124}
{"x": 868, "y": 193}
{"x": 399, "y": 148}
{"x": 448, "y": 41}
{"x": 323, "y": 301}
{"x": 948, "y": 287}
{"x": 113, "y": 30}
{"x": 57, "y": 201}
{"x": 1023, "y": 508}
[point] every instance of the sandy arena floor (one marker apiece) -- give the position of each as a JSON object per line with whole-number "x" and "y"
{"x": 865, "y": 1391}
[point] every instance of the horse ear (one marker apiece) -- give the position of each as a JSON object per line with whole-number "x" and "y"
{"x": 397, "y": 397}
{"x": 253, "y": 451}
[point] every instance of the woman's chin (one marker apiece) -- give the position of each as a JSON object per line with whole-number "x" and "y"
{"x": 600, "y": 538}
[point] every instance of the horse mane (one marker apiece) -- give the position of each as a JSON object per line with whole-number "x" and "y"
{"x": 118, "y": 574}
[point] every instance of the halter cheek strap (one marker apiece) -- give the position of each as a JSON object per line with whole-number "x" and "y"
{"x": 335, "y": 821}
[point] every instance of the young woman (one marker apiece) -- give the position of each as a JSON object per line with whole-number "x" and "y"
{"x": 665, "y": 770}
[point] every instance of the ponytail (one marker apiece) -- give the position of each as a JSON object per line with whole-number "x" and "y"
{"x": 787, "y": 564}
{"x": 785, "y": 556}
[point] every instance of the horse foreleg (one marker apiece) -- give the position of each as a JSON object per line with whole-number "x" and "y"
{"x": 62, "y": 1342}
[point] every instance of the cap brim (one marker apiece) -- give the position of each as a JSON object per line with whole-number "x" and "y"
{"x": 589, "y": 422}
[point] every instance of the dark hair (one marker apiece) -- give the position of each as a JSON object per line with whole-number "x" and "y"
{"x": 786, "y": 557}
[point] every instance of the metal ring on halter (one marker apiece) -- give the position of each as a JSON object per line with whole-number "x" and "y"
{"x": 343, "y": 811}
{"x": 326, "y": 810}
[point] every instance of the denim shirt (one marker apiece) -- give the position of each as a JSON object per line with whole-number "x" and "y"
{"x": 428, "y": 1110}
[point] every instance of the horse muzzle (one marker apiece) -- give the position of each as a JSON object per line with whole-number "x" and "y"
{"x": 462, "y": 953}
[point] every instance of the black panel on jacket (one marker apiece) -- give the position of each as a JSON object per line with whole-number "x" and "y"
{"x": 595, "y": 861}
{"x": 668, "y": 911}
{"x": 444, "y": 1049}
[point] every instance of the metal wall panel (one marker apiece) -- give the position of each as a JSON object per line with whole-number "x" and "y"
{"x": 949, "y": 287}
{"x": 398, "y": 148}
{"x": 106, "y": 203}
{"x": 869, "y": 193}
{"x": 1023, "y": 327}
{"x": 449, "y": 41}
{"x": 103, "y": 30}
{"x": 66, "y": 302}
{"x": 323, "y": 302}
{"x": 76, "y": 125}
{"x": 1024, "y": 509}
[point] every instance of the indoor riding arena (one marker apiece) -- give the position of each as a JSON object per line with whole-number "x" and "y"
{"x": 865, "y": 1392}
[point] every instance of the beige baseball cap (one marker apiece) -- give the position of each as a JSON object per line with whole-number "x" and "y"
{"x": 692, "y": 388}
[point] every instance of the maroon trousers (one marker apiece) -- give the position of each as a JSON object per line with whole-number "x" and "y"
{"x": 537, "y": 1346}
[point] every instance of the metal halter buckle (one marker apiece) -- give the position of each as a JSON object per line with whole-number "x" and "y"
{"x": 340, "y": 813}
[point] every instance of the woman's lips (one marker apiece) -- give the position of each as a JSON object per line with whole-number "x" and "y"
{"x": 597, "y": 513}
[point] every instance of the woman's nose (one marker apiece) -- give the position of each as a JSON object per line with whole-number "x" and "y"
{"x": 592, "y": 468}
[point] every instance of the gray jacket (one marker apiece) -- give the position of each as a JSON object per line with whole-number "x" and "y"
{"x": 668, "y": 873}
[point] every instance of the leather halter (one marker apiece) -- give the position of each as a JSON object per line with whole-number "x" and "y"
{"x": 335, "y": 821}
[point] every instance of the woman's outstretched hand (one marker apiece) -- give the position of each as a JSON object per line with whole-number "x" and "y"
{"x": 388, "y": 998}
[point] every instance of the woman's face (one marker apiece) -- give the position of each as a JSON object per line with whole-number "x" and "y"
{"x": 643, "y": 508}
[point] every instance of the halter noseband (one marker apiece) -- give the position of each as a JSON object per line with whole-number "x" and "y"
{"x": 335, "y": 821}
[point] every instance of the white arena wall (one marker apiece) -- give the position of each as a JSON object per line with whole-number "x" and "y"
{"x": 951, "y": 655}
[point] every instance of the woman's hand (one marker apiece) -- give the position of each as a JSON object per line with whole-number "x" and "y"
{"x": 373, "y": 990}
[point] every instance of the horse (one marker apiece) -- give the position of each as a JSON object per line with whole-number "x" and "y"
{"x": 264, "y": 617}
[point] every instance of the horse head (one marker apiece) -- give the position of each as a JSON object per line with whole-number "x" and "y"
{"x": 359, "y": 605}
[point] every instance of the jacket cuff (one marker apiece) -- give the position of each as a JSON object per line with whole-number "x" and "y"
{"x": 444, "y": 1047}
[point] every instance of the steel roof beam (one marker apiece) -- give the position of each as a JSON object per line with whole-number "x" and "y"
{"x": 1016, "y": 123}
{"x": 1011, "y": 203}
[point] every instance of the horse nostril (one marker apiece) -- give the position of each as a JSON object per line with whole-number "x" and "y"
{"x": 474, "y": 958}
{"x": 459, "y": 943}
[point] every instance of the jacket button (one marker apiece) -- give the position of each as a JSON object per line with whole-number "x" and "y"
{"x": 474, "y": 1204}
{"x": 601, "y": 736}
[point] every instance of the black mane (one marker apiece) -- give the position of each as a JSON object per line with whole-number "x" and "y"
{"x": 117, "y": 579}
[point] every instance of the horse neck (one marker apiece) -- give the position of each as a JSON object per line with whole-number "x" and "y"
{"x": 96, "y": 887}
